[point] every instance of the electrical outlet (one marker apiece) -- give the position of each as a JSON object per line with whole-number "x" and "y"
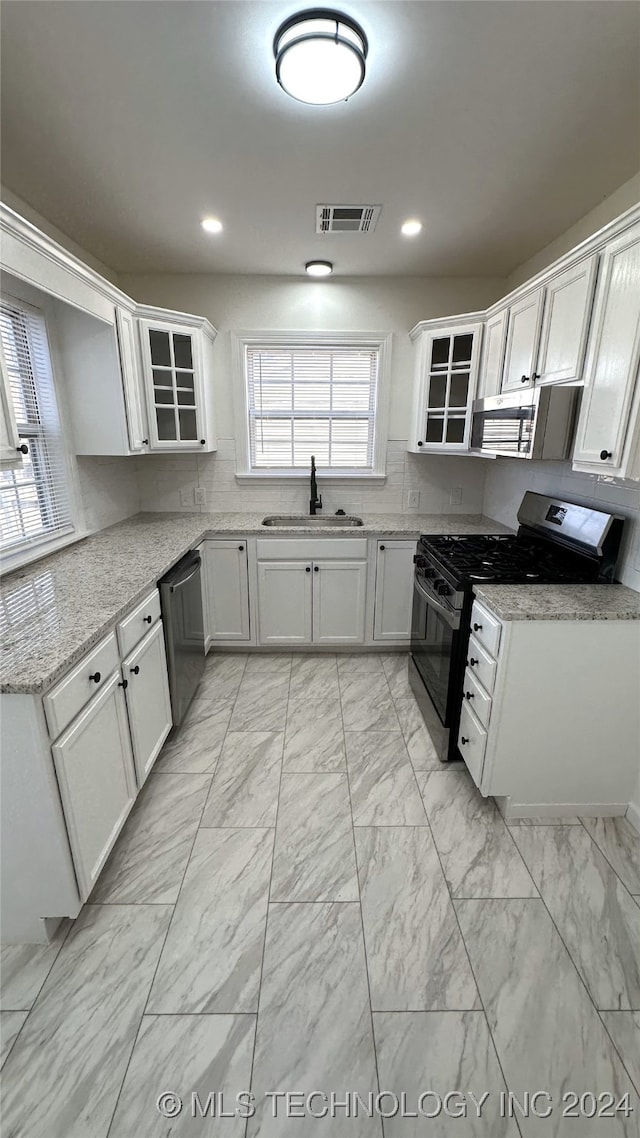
{"x": 455, "y": 496}
{"x": 200, "y": 495}
{"x": 413, "y": 499}
{"x": 186, "y": 498}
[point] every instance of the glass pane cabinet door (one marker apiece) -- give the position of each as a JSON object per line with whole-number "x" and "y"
{"x": 450, "y": 365}
{"x": 174, "y": 385}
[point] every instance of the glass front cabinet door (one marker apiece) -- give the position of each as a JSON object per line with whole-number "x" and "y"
{"x": 445, "y": 386}
{"x": 176, "y": 378}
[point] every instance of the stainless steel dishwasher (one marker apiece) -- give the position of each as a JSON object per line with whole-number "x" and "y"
{"x": 181, "y": 603}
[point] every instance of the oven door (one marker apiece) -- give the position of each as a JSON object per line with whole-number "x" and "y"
{"x": 435, "y": 648}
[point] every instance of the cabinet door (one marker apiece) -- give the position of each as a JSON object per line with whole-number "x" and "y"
{"x": 523, "y": 333}
{"x": 394, "y": 590}
{"x": 173, "y": 379}
{"x": 339, "y": 592}
{"x": 227, "y": 589}
{"x": 148, "y": 702}
{"x": 10, "y": 455}
{"x": 492, "y": 355}
{"x": 450, "y": 372}
{"x": 97, "y": 782}
{"x": 612, "y": 361}
{"x": 284, "y": 602}
{"x": 567, "y": 310}
{"x": 131, "y": 380}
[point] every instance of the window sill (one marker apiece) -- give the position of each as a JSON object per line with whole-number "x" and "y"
{"x": 302, "y": 478}
{"x": 21, "y": 558}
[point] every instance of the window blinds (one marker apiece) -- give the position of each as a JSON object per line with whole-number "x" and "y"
{"x": 34, "y": 497}
{"x": 318, "y": 400}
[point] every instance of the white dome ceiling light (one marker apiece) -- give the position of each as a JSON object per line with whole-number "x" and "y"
{"x": 211, "y": 225}
{"x": 319, "y": 268}
{"x": 320, "y": 56}
{"x": 411, "y": 228}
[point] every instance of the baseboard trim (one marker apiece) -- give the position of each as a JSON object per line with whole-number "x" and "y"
{"x": 512, "y": 810}
{"x": 633, "y": 815}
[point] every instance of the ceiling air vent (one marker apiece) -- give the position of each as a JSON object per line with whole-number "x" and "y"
{"x": 347, "y": 218}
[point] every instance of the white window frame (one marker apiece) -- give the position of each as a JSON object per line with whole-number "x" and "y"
{"x": 21, "y": 292}
{"x": 241, "y": 341}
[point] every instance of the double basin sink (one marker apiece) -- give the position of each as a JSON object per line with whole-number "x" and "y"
{"x": 312, "y": 521}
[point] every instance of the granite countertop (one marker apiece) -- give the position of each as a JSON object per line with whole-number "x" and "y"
{"x": 57, "y": 608}
{"x": 560, "y": 602}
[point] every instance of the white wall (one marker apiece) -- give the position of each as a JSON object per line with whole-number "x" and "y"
{"x": 109, "y": 490}
{"x": 508, "y": 478}
{"x": 366, "y": 304}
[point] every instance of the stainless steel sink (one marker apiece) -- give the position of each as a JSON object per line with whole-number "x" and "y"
{"x": 313, "y": 522}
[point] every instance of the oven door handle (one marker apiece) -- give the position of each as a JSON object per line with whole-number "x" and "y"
{"x": 452, "y": 618}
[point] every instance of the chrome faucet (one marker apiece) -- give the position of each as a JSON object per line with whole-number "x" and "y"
{"x": 316, "y": 500}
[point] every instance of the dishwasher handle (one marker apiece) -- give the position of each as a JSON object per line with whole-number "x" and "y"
{"x": 194, "y": 568}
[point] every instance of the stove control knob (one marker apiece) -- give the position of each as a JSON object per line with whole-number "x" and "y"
{"x": 419, "y": 561}
{"x": 442, "y": 588}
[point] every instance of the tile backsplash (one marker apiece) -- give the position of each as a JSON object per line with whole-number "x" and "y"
{"x": 108, "y": 491}
{"x": 506, "y": 480}
{"x": 444, "y": 484}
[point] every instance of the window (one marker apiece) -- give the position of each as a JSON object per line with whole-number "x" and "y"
{"x": 35, "y": 501}
{"x": 313, "y": 396}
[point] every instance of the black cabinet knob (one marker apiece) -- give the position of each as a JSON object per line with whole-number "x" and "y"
{"x": 463, "y": 740}
{"x": 477, "y": 627}
{"x": 382, "y": 548}
{"x": 241, "y": 548}
{"x": 315, "y": 569}
{"x": 147, "y": 619}
{"x": 524, "y": 379}
{"x": 135, "y": 670}
{"x": 145, "y": 442}
{"x": 468, "y": 695}
{"x": 124, "y": 685}
{"x": 536, "y": 375}
{"x": 96, "y": 677}
{"x": 419, "y": 444}
{"x": 24, "y": 449}
{"x": 604, "y": 454}
{"x": 307, "y": 569}
{"x": 472, "y": 663}
{"x": 203, "y": 442}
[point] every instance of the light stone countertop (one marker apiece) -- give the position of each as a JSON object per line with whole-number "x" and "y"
{"x": 57, "y": 608}
{"x": 560, "y": 602}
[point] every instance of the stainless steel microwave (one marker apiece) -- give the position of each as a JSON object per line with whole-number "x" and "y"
{"x": 536, "y": 423}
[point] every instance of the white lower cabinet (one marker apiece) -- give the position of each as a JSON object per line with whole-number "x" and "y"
{"x": 226, "y": 588}
{"x": 472, "y": 741}
{"x": 394, "y": 589}
{"x": 148, "y": 702}
{"x": 94, "y": 765}
{"x": 338, "y": 601}
{"x": 284, "y": 602}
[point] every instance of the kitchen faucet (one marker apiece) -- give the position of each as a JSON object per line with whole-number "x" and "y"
{"x": 316, "y": 501}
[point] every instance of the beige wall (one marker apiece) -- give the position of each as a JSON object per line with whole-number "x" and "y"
{"x": 618, "y": 202}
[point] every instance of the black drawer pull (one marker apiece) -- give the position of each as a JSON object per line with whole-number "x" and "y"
{"x": 124, "y": 685}
{"x": 605, "y": 454}
{"x": 241, "y": 548}
{"x": 307, "y": 569}
{"x": 24, "y": 449}
{"x": 316, "y": 569}
{"x": 135, "y": 670}
{"x": 96, "y": 677}
{"x": 419, "y": 444}
{"x": 477, "y": 627}
{"x": 382, "y": 548}
{"x": 463, "y": 740}
{"x": 472, "y": 663}
{"x": 147, "y": 619}
{"x": 469, "y": 695}
{"x": 524, "y": 379}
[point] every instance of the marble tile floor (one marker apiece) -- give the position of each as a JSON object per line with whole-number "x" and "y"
{"x": 305, "y": 901}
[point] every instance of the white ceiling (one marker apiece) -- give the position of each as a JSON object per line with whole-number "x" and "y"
{"x": 499, "y": 124}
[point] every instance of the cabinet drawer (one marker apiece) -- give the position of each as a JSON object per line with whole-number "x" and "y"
{"x": 481, "y": 664}
{"x": 486, "y": 628}
{"x": 137, "y": 623}
{"x": 310, "y": 549}
{"x": 472, "y": 741}
{"x": 63, "y": 702}
{"x": 474, "y": 695}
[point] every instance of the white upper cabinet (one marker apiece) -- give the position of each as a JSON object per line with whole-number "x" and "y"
{"x": 495, "y": 331}
{"x": 444, "y": 387}
{"x": 547, "y": 329}
{"x": 10, "y": 445}
{"x": 132, "y": 380}
{"x": 176, "y": 360}
{"x": 608, "y": 427}
{"x": 523, "y": 331}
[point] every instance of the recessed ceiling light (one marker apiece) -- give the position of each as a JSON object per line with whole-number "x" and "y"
{"x": 320, "y": 56}
{"x": 212, "y": 225}
{"x": 411, "y": 228}
{"x": 319, "y": 268}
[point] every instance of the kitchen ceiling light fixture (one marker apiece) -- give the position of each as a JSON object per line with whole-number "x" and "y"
{"x": 212, "y": 225}
{"x": 411, "y": 228}
{"x": 319, "y": 268}
{"x": 320, "y": 56}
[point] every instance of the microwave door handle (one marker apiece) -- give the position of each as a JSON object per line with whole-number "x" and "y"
{"x": 452, "y": 618}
